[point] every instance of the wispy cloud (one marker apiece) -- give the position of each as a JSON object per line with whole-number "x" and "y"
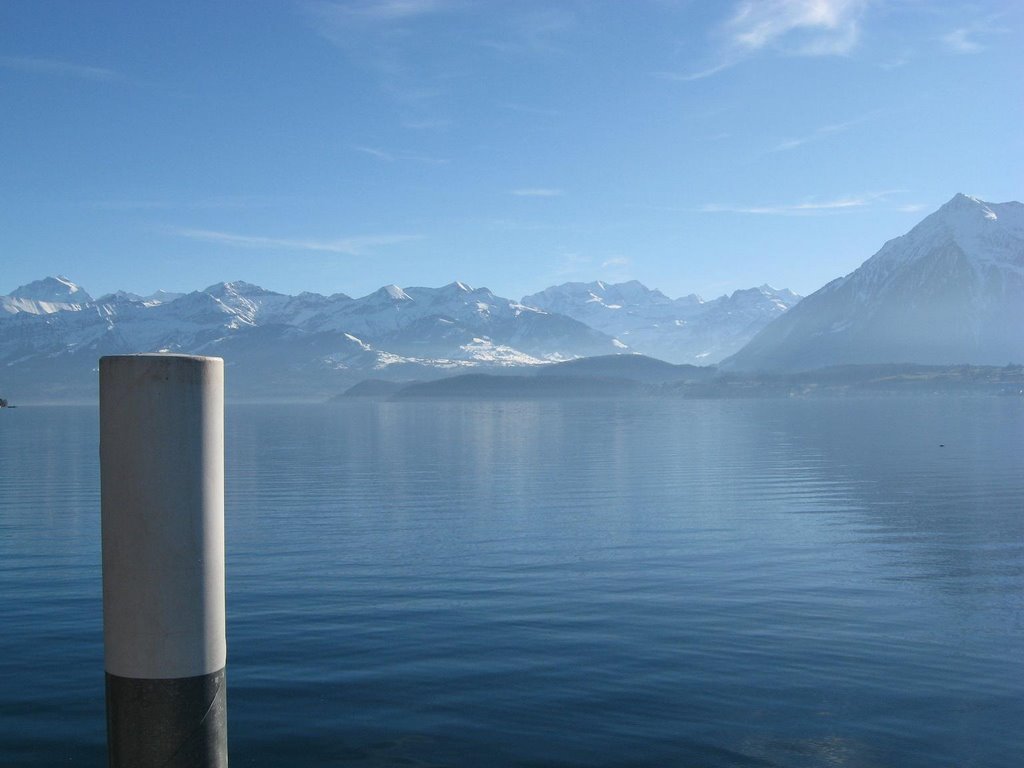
{"x": 689, "y": 77}
{"x": 380, "y": 154}
{"x": 392, "y": 157}
{"x": 615, "y": 261}
{"x": 130, "y": 205}
{"x": 536, "y": 192}
{"x": 386, "y": 39}
{"x": 349, "y": 246}
{"x": 383, "y": 10}
{"x": 529, "y": 110}
{"x": 233, "y": 202}
{"x": 821, "y": 133}
{"x": 420, "y": 53}
{"x": 426, "y": 123}
{"x": 805, "y": 208}
{"x": 805, "y": 27}
{"x": 791, "y": 27}
{"x": 531, "y": 31}
{"x": 896, "y": 61}
{"x": 570, "y": 264}
{"x": 59, "y": 68}
{"x": 976, "y": 33}
{"x": 960, "y": 41}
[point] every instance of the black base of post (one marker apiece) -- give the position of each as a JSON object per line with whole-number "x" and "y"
{"x": 177, "y": 723}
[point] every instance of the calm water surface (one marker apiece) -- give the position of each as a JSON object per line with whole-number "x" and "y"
{"x": 645, "y": 583}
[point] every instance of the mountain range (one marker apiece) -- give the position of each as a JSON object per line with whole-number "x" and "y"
{"x": 950, "y": 291}
{"x": 684, "y": 330}
{"x": 52, "y": 332}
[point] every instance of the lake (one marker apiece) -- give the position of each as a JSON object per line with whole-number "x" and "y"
{"x": 603, "y": 583}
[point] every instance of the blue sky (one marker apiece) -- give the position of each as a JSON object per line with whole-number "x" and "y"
{"x": 339, "y": 146}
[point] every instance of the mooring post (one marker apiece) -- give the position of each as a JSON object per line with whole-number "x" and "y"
{"x": 162, "y": 487}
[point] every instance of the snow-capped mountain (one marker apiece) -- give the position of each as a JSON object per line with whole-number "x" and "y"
{"x": 458, "y": 322}
{"x": 684, "y": 330}
{"x": 44, "y": 297}
{"x": 273, "y": 343}
{"x": 950, "y": 291}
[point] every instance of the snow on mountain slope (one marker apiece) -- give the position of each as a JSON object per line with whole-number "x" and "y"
{"x": 271, "y": 335}
{"x": 444, "y": 322}
{"x": 949, "y": 291}
{"x": 44, "y": 297}
{"x": 684, "y": 330}
{"x": 58, "y": 290}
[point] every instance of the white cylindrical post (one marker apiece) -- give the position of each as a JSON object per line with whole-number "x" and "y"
{"x": 162, "y": 487}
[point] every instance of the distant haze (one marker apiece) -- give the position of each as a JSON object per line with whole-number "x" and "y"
{"x": 949, "y": 292}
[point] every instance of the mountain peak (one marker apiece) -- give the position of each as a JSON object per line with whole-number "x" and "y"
{"x": 982, "y": 229}
{"x": 390, "y": 293}
{"x": 58, "y": 290}
{"x": 961, "y": 204}
{"x": 237, "y": 287}
{"x": 965, "y": 200}
{"x": 951, "y": 290}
